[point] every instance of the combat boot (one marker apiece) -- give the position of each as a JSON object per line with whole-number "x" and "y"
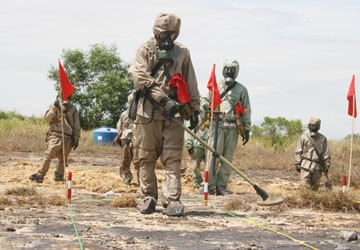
{"x": 149, "y": 205}
{"x": 174, "y": 208}
{"x": 58, "y": 177}
{"x": 37, "y": 178}
{"x": 223, "y": 191}
{"x": 128, "y": 178}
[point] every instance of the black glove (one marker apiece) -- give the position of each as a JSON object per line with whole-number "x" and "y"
{"x": 298, "y": 168}
{"x": 171, "y": 107}
{"x": 75, "y": 144}
{"x": 194, "y": 119}
{"x": 57, "y": 103}
{"x": 246, "y": 137}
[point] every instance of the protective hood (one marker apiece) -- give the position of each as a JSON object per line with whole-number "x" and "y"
{"x": 166, "y": 22}
{"x": 231, "y": 63}
{"x": 314, "y": 126}
{"x": 314, "y": 121}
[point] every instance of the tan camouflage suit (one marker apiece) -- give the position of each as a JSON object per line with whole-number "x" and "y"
{"x": 307, "y": 161}
{"x": 156, "y": 136}
{"x": 125, "y": 129}
{"x": 54, "y": 139}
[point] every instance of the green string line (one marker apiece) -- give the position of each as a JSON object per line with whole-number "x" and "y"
{"x": 74, "y": 225}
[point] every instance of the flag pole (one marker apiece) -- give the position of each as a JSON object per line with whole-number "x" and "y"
{"x": 207, "y": 167}
{"x": 351, "y": 140}
{"x": 62, "y": 130}
{"x": 62, "y": 133}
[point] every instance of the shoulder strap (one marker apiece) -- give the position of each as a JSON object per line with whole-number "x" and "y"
{"x": 321, "y": 159}
{"x": 227, "y": 89}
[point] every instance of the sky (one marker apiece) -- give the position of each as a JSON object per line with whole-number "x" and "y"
{"x": 296, "y": 58}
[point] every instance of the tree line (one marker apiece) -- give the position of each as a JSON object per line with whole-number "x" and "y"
{"x": 103, "y": 85}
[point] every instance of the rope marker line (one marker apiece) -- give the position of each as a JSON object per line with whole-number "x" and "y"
{"x": 74, "y": 226}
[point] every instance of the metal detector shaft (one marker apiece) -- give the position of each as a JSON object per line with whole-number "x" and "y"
{"x": 213, "y": 158}
{"x": 259, "y": 190}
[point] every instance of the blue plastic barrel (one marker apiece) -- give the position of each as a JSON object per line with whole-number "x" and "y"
{"x": 104, "y": 135}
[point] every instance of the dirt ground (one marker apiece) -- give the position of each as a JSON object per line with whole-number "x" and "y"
{"x": 90, "y": 221}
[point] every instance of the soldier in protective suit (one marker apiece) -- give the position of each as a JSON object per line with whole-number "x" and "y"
{"x": 125, "y": 139}
{"x": 312, "y": 155}
{"x": 54, "y": 138}
{"x": 235, "y": 120}
{"x": 157, "y": 135}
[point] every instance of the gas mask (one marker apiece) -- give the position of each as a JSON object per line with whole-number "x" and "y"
{"x": 66, "y": 105}
{"x": 166, "y": 43}
{"x": 229, "y": 73}
{"x": 313, "y": 128}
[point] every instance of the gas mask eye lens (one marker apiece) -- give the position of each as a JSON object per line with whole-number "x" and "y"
{"x": 230, "y": 71}
{"x": 166, "y": 40}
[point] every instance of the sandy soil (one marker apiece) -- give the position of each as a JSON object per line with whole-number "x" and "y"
{"x": 92, "y": 222}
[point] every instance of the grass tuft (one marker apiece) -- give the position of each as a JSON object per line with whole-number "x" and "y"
{"x": 124, "y": 201}
{"x": 21, "y": 191}
{"x": 334, "y": 201}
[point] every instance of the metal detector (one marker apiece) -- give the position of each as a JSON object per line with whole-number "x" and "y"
{"x": 266, "y": 200}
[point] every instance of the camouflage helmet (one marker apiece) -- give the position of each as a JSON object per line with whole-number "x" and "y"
{"x": 166, "y": 22}
{"x": 231, "y": 63}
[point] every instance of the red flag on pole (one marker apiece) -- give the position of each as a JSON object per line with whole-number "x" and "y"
{"x": 215, "y": 97}
{"x": 352, "y": 98}
{"x": 67, "y": 89}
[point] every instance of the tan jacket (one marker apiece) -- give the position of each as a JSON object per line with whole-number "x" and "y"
{"x": 71, "y": 121}
{"x": 140, "y": 71}
{"x": 305, "y": 155}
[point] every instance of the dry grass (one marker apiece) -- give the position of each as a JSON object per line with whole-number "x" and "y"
{"x": 5, "y": 201}
{"x": 124, "y": 201}
{"x": 41, "y": 200}
{"x": 331, "y": 201}
{"x": 29, "y": 196}
{"x": 239, "y": 204}
{"x": 28, "y": 134}
{"x": 21, "y": 191}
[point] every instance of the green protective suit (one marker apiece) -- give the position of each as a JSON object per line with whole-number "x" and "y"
{"x": 54, "y": 137}
{"x": 197, "y": 153}
{"x": 155, "y": 136}
{"x": 227, "y": 133}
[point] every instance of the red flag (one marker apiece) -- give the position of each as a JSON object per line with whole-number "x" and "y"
{"x": 214, "y": 90}
{"x": 239, "y": 109}
{"x": 352, "y": 99}
{"x": 177, "y": 81}
{"x": 67, "y": 89}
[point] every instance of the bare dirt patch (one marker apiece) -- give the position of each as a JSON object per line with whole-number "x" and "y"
{"x": 94, "y": 221}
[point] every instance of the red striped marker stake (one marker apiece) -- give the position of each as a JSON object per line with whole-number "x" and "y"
{"x": 206, "y": 187}
{"x": 344, "y": 184}
{"x": 69, "y": 186}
